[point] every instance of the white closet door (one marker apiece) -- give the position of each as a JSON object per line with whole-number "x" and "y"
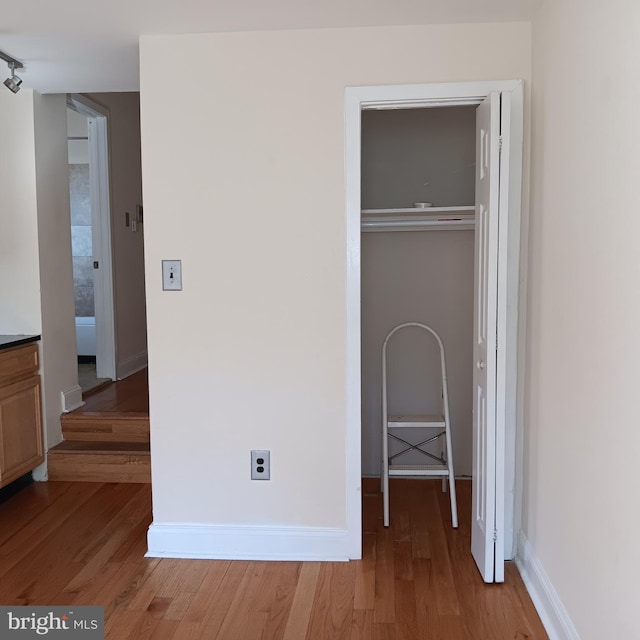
{"x": 483, "y": 520}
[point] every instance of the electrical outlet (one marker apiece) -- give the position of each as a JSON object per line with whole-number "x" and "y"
{"x": 260, "y": 464}
{"x": 172, "y": 275}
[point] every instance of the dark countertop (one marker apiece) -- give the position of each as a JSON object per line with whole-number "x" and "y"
{"x": 6, "y": 342}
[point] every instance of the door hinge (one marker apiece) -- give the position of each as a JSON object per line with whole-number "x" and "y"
{"x": 500, "y": 144}
{"x": 495, "y": 535}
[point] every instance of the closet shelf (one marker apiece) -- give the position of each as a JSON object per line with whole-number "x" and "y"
{"x": 414, "y": 219}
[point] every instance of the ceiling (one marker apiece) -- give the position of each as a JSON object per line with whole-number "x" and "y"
{"x": 82, "y": 45}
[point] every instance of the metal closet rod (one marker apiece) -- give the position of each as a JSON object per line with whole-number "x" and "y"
{"x": 11, "y": 61}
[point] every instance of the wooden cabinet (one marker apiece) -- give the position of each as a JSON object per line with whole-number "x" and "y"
{"x": 20, "y": 412}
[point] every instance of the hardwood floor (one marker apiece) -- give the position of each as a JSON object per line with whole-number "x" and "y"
{"x": 83, "y": 543}
{"x": 130, "y": 395}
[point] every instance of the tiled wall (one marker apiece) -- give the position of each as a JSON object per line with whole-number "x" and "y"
{"x": 81, "y": 239}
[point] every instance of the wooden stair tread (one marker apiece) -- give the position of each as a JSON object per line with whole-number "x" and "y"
{"x": 130, "y": 394}
{"x": 105, "y": 416}
{"x": 101, "y": 448}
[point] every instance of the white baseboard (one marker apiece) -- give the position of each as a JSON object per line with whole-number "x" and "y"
{"x": 554, "y": 616}
{"x": 220, "y": 542}
{"x": 71, "y": 399}
{"x": 131, "y": 365}
{"x": 41, "y": 472}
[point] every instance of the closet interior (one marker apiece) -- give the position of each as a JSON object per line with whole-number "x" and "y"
{"x": 417, "y": 265}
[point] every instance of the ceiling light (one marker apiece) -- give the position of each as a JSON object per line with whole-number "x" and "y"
{"x": 13, "y": 82}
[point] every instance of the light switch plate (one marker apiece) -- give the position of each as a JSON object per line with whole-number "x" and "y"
{"x": 172, "y": 275}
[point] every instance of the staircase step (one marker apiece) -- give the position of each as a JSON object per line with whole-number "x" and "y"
{"x": 105, "y": 427}
{"x": 106, "y": 461}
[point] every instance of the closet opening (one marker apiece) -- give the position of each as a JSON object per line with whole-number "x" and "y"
{"x": 418, "y": 200}
{"x": 433, "y": 232}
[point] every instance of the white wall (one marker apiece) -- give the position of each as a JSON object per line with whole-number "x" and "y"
{"x": 128, "y": 247}
{"x": 19, "y": 294}
{"x": 59, "y": 365}
{"x": 35, "y": 243}
{"x": 582, "y": 445}
{"x": 245, "y": 184}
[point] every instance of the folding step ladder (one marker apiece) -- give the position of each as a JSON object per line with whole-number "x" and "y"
{"x": 440, "y": 466}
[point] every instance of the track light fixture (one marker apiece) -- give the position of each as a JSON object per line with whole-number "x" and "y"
{"x": 13, "y": 82}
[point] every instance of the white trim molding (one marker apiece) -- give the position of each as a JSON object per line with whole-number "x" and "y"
{"x": 220, "y": 542}
{"x": 545, "y": 598}
{"x": 41, "y": 472}
{"x": 131, "y": 365}
{"x": 80, "y": 103}
{"x": 71, "y": 399}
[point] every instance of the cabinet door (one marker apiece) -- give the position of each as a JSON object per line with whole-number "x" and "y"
{"x": 20, "y": 429}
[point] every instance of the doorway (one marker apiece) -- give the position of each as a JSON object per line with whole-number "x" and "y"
{"x": 109, "y": 437}
{"x": 91, "y": 241}
{"x": 496, "y": 472}
{"x": 82, "y": 249}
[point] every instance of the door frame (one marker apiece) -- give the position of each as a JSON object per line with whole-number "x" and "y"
{"x": 511, "y": 285}
{"x": 100, "y": 188}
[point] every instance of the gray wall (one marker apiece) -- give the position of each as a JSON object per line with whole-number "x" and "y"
{"x": 415, "y": 155}
{"x": 424, "y": 276}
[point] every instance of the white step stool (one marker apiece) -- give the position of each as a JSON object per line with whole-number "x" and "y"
{"x": 441, "y": 467}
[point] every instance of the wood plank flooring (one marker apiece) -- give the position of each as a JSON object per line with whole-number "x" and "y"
{"x": 130, "y": 395}
{"x": 84, "y": 543}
